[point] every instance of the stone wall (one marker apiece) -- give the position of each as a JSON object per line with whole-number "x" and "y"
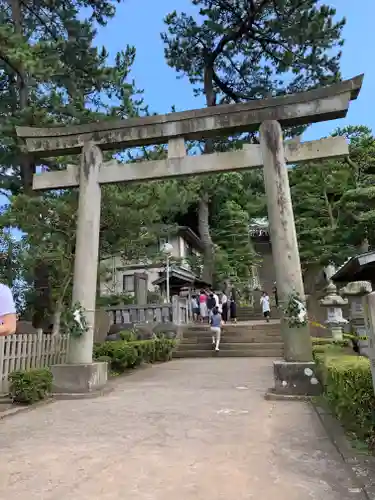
{"x": 314, "y": 286}
{"x": 266, "y": 270}
{"x": 102, "y": 324}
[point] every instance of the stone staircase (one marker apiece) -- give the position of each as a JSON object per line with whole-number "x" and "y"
{"x": 245, "y": 339}
{"x": 248, "y": 313}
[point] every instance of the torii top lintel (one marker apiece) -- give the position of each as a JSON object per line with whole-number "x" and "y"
{"x": 321, "y": 104}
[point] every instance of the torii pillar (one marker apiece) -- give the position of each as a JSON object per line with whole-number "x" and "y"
{"x": 296, "y": 373}
{"x": 81, "y": 375}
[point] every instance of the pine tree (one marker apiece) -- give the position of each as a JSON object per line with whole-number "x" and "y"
{"x": 234, "y": 51}
{"x": 50, "y": 73}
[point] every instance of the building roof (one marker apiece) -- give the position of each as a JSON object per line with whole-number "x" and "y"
{"x": 190, "y": 236}
{"x": 180, "y": 277}
{"x": 358, "y": 268}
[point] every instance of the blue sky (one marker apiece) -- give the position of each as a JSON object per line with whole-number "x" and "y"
{"x": 139, "y": 23}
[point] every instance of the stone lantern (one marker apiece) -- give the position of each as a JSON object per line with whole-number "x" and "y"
{"x": 334, "y": 304}
{"x": 355, "y": 292}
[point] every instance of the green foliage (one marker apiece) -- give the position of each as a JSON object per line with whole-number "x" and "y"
{"x": 235, "y": 256}
{"x": 28, "y": 387}
{"x": 48, "y": 226}
{"x": 74, "y": 320}
{"x": 327, "y": 341}
{"x": 333, "y": 201}
{"x": 349, "y": 391}
{"x": 114, "y": 300}
{"x": 295, "y": 311}
{"x": 126, "y": 354}
{"x": 11, "y": 274}
{"x": 239, "y": 51}
{"x": 321, "y": 347}
{"x": 256, "y": 48}
{"x": 128, "y": 336}
{"x": 52, "y": 73}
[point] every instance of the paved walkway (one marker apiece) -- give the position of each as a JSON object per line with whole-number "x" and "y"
{"x": 188, "y": 429}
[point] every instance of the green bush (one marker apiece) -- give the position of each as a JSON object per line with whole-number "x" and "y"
{"x": 324, "y": 344}
{"x": 348, "y": 389}
{"x": 125, "y": 354}
{"x": 28, "y": 387}
{"x": 329, "y": 341}
{"x": 327, "y": 348}
{"x": 128, "y": 335}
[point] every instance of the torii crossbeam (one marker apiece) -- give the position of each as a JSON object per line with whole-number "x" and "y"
{"x": 326, "y": 103}
{"x": 307, "y": 107}
{"x": 249, "y": 157}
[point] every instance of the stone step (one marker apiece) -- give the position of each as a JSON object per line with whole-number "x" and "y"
{"x": 260, "y": 327}
{"x": 255, "y": 317}
{"x": 232, "y": 340}
{"x": 202, "y": 353}
{"x": 249, "y": 339}
{"x": 232, "y": 346}
{"x": 233, "y": 334}
{"x": 249, "y": 313}
{"x": 252, "y": 317}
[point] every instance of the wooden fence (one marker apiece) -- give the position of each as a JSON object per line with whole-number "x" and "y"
{"x": 28, "y": 351}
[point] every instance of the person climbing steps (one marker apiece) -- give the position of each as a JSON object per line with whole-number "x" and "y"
{"x": 265, "y": 303}
{"x": 216, "y": 324}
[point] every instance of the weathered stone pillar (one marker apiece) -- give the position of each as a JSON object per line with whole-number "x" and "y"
{"x": 295, "y": 376}
{"x": 81, "y": 375}
{"x": 87, "y": 250}
{"x": 297, "y": 342}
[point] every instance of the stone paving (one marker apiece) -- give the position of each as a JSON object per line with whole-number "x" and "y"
{"x": 188, "y": 429}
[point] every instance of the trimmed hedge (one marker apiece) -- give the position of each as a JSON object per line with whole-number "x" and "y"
{"x": 348, "y": 389}
{"x": 328, "y": 340}
{"x": 321, "y": 344}
{"x": 28, "y": 387}
{"x": 123, "y": 354}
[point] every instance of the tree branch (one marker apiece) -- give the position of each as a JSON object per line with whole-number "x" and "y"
{"x": 234, "y": 36}
{"x": 225, "y": 88}
{"x": 7, "y": 61}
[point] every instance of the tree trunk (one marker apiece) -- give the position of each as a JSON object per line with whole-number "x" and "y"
{"x": 203, "y": 207}
{"x": 330, "y": 211}
{"x": 204, "y": 231}
{"x": 57, "y": 320}
{"x": 59, "y": 306}
{"x": 27, "y": 170}
{"x": 27, "y": 167}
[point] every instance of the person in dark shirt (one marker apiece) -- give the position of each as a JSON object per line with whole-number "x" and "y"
{"x": 275, "y": 295}
{"x": 233, "y": 308}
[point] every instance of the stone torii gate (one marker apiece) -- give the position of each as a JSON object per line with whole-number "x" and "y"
{"x": 268, "y": 115}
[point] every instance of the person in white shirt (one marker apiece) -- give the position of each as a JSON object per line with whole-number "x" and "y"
{"x": 217, "y": 302}
{"x": 265, "y": 303}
